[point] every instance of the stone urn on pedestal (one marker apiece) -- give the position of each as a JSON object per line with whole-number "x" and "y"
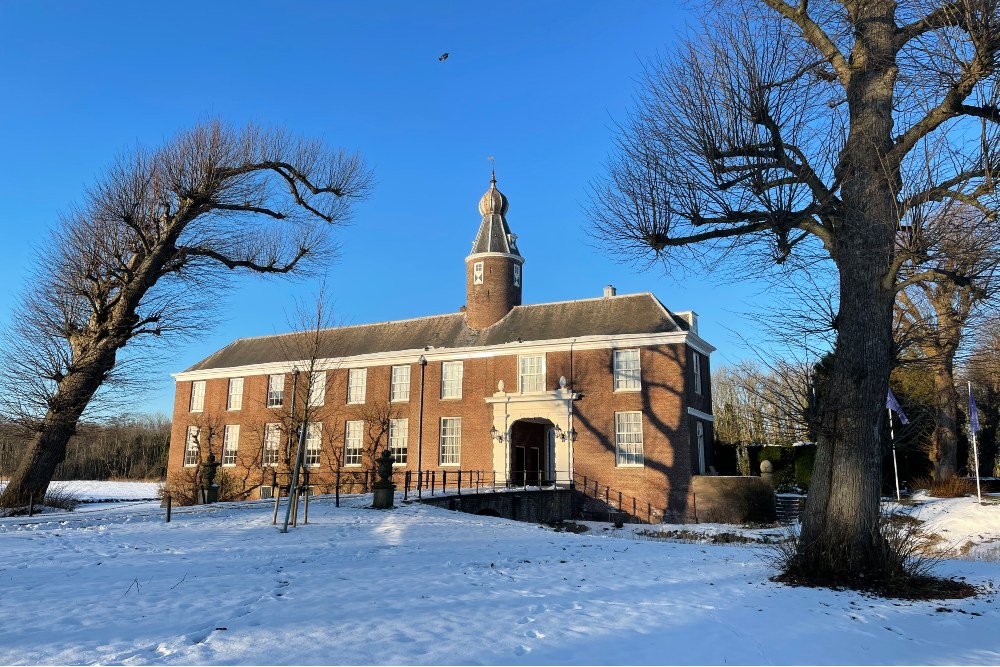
{"x": 209, "y": 490}
{"x": 385, "y": 490}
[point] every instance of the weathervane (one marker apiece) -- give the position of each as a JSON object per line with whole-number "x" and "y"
{"x": 493, "y": 171}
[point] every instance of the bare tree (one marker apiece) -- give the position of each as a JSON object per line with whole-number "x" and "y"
{"x": 784, "y": 132}
{"x": 146, "y": 252}
{"x": 962, "y": 245}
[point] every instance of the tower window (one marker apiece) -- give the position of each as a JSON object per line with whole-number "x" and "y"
{"x": 477, "y": 273}
{"x": 517, "y": 275}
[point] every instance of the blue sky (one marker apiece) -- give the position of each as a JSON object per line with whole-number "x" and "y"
{"x": 535, "y": 84}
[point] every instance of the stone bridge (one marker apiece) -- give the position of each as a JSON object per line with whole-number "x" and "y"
{"x": 533, "y": 506}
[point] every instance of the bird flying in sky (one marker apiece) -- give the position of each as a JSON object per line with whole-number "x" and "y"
{"x": 443, "y": 56}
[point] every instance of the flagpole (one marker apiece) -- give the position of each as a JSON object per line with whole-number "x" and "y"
{"x": 895, "y": 466}
{"x": 975, "y": 449}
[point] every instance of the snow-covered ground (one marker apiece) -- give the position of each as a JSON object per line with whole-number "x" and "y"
{"x": 421, "y": 585}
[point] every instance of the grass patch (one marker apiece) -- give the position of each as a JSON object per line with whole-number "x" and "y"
{"x": 684, "y": 535}
{"x": 568, "y": 527}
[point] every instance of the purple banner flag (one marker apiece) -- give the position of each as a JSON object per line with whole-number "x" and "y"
{"x": 973, "y": 414}
{"x": 893, "y": 404}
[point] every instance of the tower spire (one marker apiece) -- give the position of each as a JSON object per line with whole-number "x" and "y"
{"x": 493, "y": 269}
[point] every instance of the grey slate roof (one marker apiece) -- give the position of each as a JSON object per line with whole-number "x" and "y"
{"x": 494, "y": 236}
{"x": 607, "y": 316}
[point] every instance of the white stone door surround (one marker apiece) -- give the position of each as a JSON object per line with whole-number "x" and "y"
{"x": 553, "y": 406}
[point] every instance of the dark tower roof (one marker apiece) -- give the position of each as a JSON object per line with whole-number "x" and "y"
{"x": 494, "y": 234}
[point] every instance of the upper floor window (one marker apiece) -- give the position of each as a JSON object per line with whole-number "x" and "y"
{"x": 517, "y": 275}
{"x": 234, "y": 400}
{"x": 451, "y": 379}
{"x": 314, "y": 443}
{"x": 191, "y": 446}
{"x": 352, "y": 443}
{"x": 532, "y": 373}
{"x": 275, "y": 390}
{"x": 399, "y": 389}
{"x": 628, "y": 438}
{"x": 697, "y": 372}
{"x": 230, "y": 444}
{"x": 398, "y": 436}
{"x": 317, "y": 389}
{"x": 197, "y": 396}
{"x": 272, "y": 444}
{"x": 451, "y": 440}
{"x": 477, "y": 273}
{"x": 357, "y": 381}
{"x": 627, "y": 371}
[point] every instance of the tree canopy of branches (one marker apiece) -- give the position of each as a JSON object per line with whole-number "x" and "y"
{"x": 962, "y": 246}
{"x": 145, "y": 255}
{"x": 788, "y": 132}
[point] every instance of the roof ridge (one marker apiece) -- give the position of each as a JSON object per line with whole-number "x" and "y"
{"x": 341, "y": 328}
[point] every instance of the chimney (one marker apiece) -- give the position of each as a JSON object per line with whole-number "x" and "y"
{"x": 691, "y": 318}
{"x": 610, "y": 291}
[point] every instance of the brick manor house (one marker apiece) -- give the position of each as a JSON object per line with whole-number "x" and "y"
{"x": 614, "y": 389}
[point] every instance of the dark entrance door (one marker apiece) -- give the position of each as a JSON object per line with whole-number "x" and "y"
{"x": 529, "y": 460}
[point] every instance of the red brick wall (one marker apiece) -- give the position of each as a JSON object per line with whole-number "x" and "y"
{"x": 487, "y": 304}
{"x": 666, "y": 392}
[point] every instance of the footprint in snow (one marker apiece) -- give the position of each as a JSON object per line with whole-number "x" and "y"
{"x": 534, "y": 634}
{"x": 522, "y": 650}
{"x": 525, "y": 619}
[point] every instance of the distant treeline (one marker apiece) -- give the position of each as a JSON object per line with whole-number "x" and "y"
{"x": 128, "y": 447}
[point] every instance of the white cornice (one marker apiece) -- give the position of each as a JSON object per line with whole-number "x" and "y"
{"x": 477, "y": 255}
{"x": 402, "y": 357}
{"x": 701, "y": 415}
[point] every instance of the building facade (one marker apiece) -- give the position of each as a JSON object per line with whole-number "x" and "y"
{"x": 612, "y": 392}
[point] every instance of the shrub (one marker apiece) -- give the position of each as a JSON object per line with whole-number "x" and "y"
{"x": 805, "y": 460}
{"x": 956, "y": 487}
{"x": 903, "y": 564}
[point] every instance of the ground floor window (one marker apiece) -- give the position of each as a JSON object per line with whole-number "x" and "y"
{"x": 314, "y": 444}
{"x": 352, "y": 443}
{"x": 266, "y": 492}
{"x": 398, "y": 435}
{"x": 272, "y": 444}
{"x": 628, "y": 438}
{"x": 191, "y": 446}
{"x": 230, "y": 444}
{"x": 451, "y": 440}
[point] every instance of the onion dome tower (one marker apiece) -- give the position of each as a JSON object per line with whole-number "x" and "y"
{"x": 493, "y": 270}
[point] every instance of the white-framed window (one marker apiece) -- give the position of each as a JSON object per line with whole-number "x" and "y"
{"x": 275, "y": 390}
{"x": 451, "y": 379}
{"x": 477, "y": 273}
{"x": 700, "y": 438}
{"x": 197, "y": 396}
{"x": 398, "y": 435}
{"x": 399, "y": 389}
{"x": 696, "y": 362}
{"x": 357, "y": 381}
{"x": 314, "y": 444}
{"x": 230, "y": 444}
{"x": 234, "y": 400}
{"x": 628, "y": 438}
{"x": 532, "y": 373}
{"x": 352, "y": 443}
{"x": 266, "y": 492}
{"x": 272, "y": 444}
{"x": 517, "y": 275}
{"x": 451, "y": 440}
{"x": 191, "y": 446}
{"x": 317, "y": 389}
{"x": 627, "y": 371}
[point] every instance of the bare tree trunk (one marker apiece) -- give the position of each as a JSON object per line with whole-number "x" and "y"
{"x": 944, "y": 444}
{"x": 48, "y": 446}
{"x": 840, "y": 539}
